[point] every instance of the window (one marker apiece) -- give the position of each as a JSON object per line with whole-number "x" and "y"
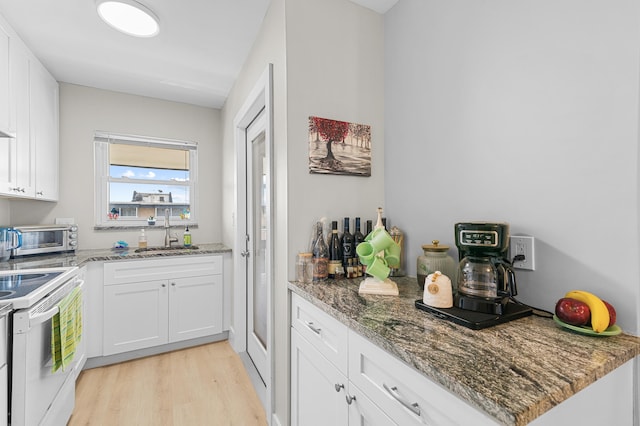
{"x": 140, "y": 177}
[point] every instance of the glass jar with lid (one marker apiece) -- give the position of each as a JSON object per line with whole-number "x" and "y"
{"x": 304, "y": 267}
{"x": 435, "y": 258}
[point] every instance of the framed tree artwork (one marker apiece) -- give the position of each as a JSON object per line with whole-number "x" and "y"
{"x": 339, "y": 148}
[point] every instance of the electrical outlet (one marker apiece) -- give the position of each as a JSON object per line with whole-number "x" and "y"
{"x": 522, "y": 246}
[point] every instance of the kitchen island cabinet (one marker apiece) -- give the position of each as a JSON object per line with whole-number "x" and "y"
{"x": 525, "y": 371}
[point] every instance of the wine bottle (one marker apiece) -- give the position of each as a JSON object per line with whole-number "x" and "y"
{"x": 335, "y": 250}
{"x": 320, "y": 256}
{"x": 348, "y": 250}
{"x": 358, "y": 237}
{"x": 369, "y": 227}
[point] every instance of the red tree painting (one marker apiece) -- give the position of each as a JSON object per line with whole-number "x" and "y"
{"x": 354, "y": 156}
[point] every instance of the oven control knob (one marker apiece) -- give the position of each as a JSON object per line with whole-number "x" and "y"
{"x": 73, "y": 236}
{"x": 73, "y": 243}
{"x": 73, "y": 228}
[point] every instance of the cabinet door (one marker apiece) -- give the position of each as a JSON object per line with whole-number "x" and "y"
{"x": 135, "y": 316}
{"x": 25, "y": 156}
{"x": 195, "y": 307}
{"x": 44, "y": 130}
{"x": 318, "y": 389}
{"x": 7, "y": 145}
{"x": 4, "y": 82}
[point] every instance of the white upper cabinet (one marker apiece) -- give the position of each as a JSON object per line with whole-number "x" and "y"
{"x": 44, "y": 131}
{"x": 5, "y": 127}
{"x": 29, "y": 112}
{"x": 24, "y": 160}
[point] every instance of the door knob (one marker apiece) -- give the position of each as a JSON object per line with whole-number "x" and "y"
{"x": 244, "y": 253}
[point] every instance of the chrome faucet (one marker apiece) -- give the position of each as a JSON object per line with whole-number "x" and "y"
{"x": 168, "y": 239}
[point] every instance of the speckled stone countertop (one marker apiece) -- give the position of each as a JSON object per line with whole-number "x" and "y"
{"x": 532, "y": 357}
{"x": 100, "y": 255}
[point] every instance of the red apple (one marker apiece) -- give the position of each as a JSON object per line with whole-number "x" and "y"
{"x": 612, "y": 313}
{"x": 573, "y": 311}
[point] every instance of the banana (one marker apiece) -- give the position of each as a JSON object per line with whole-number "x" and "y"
{"x": 599, "y": 311}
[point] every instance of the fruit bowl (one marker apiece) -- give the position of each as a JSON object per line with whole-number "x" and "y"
{"x": 583, "y": 329}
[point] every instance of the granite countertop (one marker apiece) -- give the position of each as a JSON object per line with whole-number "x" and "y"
{"x": 81, "y": 257}
{"x": 531, "y": 357}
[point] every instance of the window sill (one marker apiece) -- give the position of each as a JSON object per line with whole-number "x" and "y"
{"x": 121, "y": 227}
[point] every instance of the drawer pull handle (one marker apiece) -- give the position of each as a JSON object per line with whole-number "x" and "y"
{"x": 338, "y": 387}
{"x": 314, "y": 329}
{"x": 350, "y": 399}
{"x": 415, "y": 408}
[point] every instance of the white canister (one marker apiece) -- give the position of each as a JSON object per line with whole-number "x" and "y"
{"x": 438, "y": 291}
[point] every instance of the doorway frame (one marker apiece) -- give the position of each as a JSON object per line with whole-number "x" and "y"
{"x": 260, "y": 97}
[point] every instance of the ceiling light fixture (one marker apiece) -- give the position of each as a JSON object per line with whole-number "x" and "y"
{"x": 129, "y": 17}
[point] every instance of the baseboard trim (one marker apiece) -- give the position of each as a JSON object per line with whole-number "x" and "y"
{"x": 141, "y": 353}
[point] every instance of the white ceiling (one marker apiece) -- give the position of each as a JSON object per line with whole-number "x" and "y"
{"x": 195, "y": 59}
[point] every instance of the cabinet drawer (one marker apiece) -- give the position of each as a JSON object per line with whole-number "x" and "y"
{"x": 123, "y": 272}
{"x": 404, "y": 394}
{"x": 325, "y": 333}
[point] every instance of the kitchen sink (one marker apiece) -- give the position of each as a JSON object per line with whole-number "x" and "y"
{"x": 162, "y": 248}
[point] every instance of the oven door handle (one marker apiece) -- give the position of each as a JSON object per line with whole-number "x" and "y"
{"x": 45, "y": 316}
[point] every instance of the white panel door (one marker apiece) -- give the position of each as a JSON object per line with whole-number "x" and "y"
{"x": 259, "y": 245}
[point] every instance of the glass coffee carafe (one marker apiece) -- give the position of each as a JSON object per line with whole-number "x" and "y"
{"x": 478, "y": 277}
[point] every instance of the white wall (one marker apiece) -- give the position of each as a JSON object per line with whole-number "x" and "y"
{"x": 335, "y": 66}
{"x": 84, "y": 110}
{"x": 4, "y": 212}
{"x": 524, "y": 112}
{"x": 345, "y": 85}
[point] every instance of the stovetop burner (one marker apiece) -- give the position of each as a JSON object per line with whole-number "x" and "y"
{"x": 18, "y": 285}
{"x": 477, "y": 320}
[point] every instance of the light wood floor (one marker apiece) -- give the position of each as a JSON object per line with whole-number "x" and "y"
{"x": 205, "y": 385}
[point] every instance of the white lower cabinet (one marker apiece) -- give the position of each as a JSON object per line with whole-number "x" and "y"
{"x": 339, "y": 377}
{"x": 321, "y": 390}
{"x": 322, "y": 395}
{"x": 142, "y": 311}
{"x": 374, "y": 388}
{"x": 318, "y": 388}
{"x": 136, "y": 316}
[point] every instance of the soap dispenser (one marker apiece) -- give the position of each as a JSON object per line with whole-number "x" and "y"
{"x": 142, "y": 239}
{"x": 186, "y": 238}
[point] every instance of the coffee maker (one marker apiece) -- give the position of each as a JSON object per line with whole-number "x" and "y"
{"x": 486, "y": 281}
